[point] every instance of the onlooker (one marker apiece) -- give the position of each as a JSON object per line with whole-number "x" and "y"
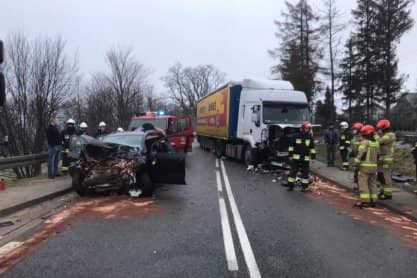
{"x": 331, "y": 140}
{"x": 54, "y": 148}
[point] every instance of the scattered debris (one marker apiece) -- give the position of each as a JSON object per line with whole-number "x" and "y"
{"x": 274, "y": 180}
{"x": 135, "y": 193}
{"x": 250, "y": 167}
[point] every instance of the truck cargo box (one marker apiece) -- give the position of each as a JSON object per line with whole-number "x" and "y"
{"x": 217, "y": 113}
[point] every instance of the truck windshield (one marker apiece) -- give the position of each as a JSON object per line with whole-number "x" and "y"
{"x": 275, "y": 113}
{"x": 138, "y": 123}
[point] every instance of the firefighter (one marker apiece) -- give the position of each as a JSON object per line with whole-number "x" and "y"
{"x": 301, "y": 151}
{"x": 367, "y": 161}
{"x": 66, "y": 135}
{"x": 83, "y": 129}
{"x": 344, "y": 145}
{"x": 387, "y": 148}
{"x": 101, "y": 130}
{"x": 354, "y": 145}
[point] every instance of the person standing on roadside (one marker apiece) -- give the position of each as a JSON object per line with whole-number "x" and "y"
{"x": 354, "y": 146}
{"x": 367, "y": 162}
{"x": 54, "y": 148}
{"x": 331, "y": 139}
{"x": 386, "y": 141}
{"x": 344, "y": 145}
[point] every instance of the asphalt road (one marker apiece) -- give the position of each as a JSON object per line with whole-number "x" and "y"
{"x": 226, "y": 222}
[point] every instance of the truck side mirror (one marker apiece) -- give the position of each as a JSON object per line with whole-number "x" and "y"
{"x": 2, "y": 78}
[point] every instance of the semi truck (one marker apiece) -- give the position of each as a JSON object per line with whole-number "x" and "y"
{"x": 251, "y": 120}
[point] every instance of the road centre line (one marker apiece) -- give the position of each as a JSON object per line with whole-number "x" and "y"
{"x": 229, "y": 246}
{"x": 241, "y": 232}
{"x": 217, "y": 163}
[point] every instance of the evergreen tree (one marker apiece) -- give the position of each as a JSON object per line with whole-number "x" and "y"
{"x": 367, "y": 53}
{"x": 393, "y": 19}
{"x": 325, "y": 112}
{"x": 350, "y": 80}
{"x": 299, "y": 52}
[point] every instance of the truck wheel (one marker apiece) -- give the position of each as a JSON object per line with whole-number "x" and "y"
{"x": 77, "y": 185}
{"x": 219, "y": 149}
{"x": 145, "y": 184}
{"x": 249, "y": 156}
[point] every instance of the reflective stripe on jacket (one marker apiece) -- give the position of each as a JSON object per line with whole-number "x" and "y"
{"x": 302, "y": 147}
{"x": 387, "y": 148}
{"x": 344, "y": 142}
{"x": 367, "y": 157}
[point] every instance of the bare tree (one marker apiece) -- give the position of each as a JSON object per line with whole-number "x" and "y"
{"x": 128, "y": 80}
{"x": 188, "y": 85}
{"x": 331, "y": 29}
{"x": 40, "y": 77}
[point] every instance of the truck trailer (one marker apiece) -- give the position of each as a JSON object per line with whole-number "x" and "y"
{"x": 251, "y": 120}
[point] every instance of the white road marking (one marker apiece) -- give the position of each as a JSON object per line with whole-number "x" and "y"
{"x": 5, "y": 249}
{"x": 217, "y": 163}
{"x": 229, "y": 246}
{"x": 241, "y": 232}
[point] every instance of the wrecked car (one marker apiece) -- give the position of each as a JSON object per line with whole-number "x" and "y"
{"x": 127, "y": 163}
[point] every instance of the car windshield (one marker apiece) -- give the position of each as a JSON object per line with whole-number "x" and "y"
{"x": 138, "y": 123}
{"x": 131, "y": 140}
{"x": 276, "y": 113}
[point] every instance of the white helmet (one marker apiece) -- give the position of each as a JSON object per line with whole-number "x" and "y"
{"x": 71, "y": 122}
{"x": 120, "y": 129}
{"x": 83, "y": 125}
{"x": 344, "y": 125}
{"x": 102, "y": 124}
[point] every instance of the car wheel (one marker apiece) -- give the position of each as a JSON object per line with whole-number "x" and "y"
{"x": 77, "y": 184}
{"x": 145, "y": 184}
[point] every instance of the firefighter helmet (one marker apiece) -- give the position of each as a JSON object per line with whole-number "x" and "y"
{"x": 70, "y": 122}
{"x": 368, "y": 130}
{"x": 383, "y": 124}
{"x": 357, "y": 126}
{"x": 120, "y": 129}
{"x": 83, "y": 125}
{"x": 102, "y": 124}
{"x": 344, "y": 125}
{"x": 306, "y": 125}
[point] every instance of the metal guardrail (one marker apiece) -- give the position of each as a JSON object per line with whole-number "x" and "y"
{"x": 24, "y": 160}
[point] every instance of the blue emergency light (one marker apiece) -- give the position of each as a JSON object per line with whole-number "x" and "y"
{"x": 161, "y": 113}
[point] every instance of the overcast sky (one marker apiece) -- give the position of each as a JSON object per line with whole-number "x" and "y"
{"x": 233, "y": 35}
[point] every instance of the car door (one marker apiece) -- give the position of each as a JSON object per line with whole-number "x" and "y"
{"x": 166, "y": 165}
{"x": 182, "y": 134}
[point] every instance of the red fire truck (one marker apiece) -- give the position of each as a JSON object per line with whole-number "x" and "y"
{"x": 178, "y": 129}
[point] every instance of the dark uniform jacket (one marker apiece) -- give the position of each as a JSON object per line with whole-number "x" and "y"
{"x": 302, "y": 147}
{"x": 66, "y": 136}
{"x": 344, "y": 142}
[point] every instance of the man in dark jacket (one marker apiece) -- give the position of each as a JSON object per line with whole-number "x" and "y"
{"x": 331, "y": 140}
{"x": 54, "y": 148}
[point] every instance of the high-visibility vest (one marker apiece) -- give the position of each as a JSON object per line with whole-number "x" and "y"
{"x": 387, "y": 148}
{"x": 367, "y": 157}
